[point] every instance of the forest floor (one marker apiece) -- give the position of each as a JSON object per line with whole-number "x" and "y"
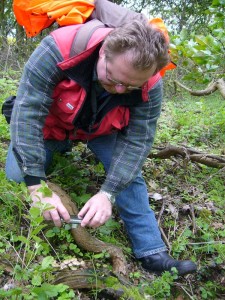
{"x": 188, "y": 199}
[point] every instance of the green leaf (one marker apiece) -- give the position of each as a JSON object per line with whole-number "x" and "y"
{"x": 45, "y": 292}
{"x": 22, "y": 239}
{"x": 50, "y": 233}
{"x": 37, "y": 239}
{"x": 35, "y": 212}
{"x": 99, "y": 255}
{"x": 51, "y": 290}
{"x": 200, "y": 39}
{"x": 36, "y": 280}
{"x": 38, "y": 229}
{"x": 47, "y": 262}
{"x": 45, "y": 190}
{"x": 73, "y": 246}
{"x": 38, "y": 221}
{"x": 61, "y": 287}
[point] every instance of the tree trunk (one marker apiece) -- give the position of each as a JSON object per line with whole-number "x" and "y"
{"x": 2, "y": 6}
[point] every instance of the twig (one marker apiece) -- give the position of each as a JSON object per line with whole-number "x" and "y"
{"x": 180, "y": 285}
{"x": 17, "y": 254}
{"x": 210, "y": 242}
{"x": 190, "y": 286}
{"x": 162, "y": 231}
{"x": 50, "y": 245}
{"x": 161, "y": 211}
{"x": 165, "y": 238}
{"x": 193, "y": 219}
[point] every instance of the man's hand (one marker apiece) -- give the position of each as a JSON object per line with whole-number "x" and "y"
{"x": 55, "y": 214}
{"x": 96, "y": 211}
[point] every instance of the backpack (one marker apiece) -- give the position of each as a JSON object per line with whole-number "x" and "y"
{"x": 36, "y": 15}
{"x": 7, "y": 108}
{"x": 79, "y": 45}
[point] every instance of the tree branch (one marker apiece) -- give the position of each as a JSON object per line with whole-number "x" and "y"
{"x": 211, "y": 88}
{"x": 191, "y": 154}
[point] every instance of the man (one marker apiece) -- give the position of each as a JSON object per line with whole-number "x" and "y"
{"x": 110, "y": 96}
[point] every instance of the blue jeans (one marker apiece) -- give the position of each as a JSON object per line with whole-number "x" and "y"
{"x": 132, "y": 203}
{"x": 12, "y": 169}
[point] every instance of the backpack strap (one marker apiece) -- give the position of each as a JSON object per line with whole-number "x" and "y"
{"x": 83, "y": 36}
{"x": 7, "y": 108}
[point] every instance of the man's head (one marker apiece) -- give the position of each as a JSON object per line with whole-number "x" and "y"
{"x": 130, "y": 55}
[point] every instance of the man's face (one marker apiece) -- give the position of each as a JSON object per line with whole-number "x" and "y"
{"x": 117, "y": 76}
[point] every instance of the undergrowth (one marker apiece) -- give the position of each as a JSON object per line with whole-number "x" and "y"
{"x": 191, "y": 213}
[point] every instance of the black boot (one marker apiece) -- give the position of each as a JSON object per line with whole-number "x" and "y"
{"x": 160, "y": 262}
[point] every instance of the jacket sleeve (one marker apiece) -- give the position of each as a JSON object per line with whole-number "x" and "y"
{"x": 133, "y": 146}
{"x": 31, "y": 107}
{"x": 114, "y": 15}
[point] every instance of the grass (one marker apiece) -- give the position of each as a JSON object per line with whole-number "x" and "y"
{"x": 195, "y": 121}
{"x": 191, "y": 212}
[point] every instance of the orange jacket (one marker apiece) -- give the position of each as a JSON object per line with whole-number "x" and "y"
{"x": 36, "y": 15}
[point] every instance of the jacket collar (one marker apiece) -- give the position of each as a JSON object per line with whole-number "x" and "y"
{"x": 80, "y": 68}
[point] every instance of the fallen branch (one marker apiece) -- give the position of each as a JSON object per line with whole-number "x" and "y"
{"x": 85, "y": 240}
{"x": 221, "y": 86}
{"x": 211, "y": 88}
{"x": 190, "y": 154}
{"x": 87, "y": 279}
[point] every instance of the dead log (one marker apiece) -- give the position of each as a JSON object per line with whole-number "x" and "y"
{"x": 211, "y": 88}
{"x": 88, "y": 279}
{"x": 85, "y": 240}
{"x": 190, "y": 154}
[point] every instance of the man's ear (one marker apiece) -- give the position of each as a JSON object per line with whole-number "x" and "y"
{"x": 102, "y": 51}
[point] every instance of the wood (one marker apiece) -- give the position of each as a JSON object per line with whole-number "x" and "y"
{"x": 85, "y": 240}
{"x": 190, "y": 154}
{"x": 211, "y": 88}
{"x": 88, "y": 279}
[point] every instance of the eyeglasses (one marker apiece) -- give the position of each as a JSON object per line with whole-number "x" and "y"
{"x": 117, "y": 83}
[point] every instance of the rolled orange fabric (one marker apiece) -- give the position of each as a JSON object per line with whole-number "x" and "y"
{"x": 36, "y": 15}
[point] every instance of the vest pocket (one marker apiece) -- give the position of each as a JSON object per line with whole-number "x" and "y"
{"x": 122, "y": 119}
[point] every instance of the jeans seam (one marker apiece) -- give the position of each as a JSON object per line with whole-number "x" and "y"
{"x": 150, "y": 252}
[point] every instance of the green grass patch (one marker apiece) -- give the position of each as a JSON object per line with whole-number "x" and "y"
{"x": 193, "y": 121}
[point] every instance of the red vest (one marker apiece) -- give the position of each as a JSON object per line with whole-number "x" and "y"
{"x": 72, "y": 93}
